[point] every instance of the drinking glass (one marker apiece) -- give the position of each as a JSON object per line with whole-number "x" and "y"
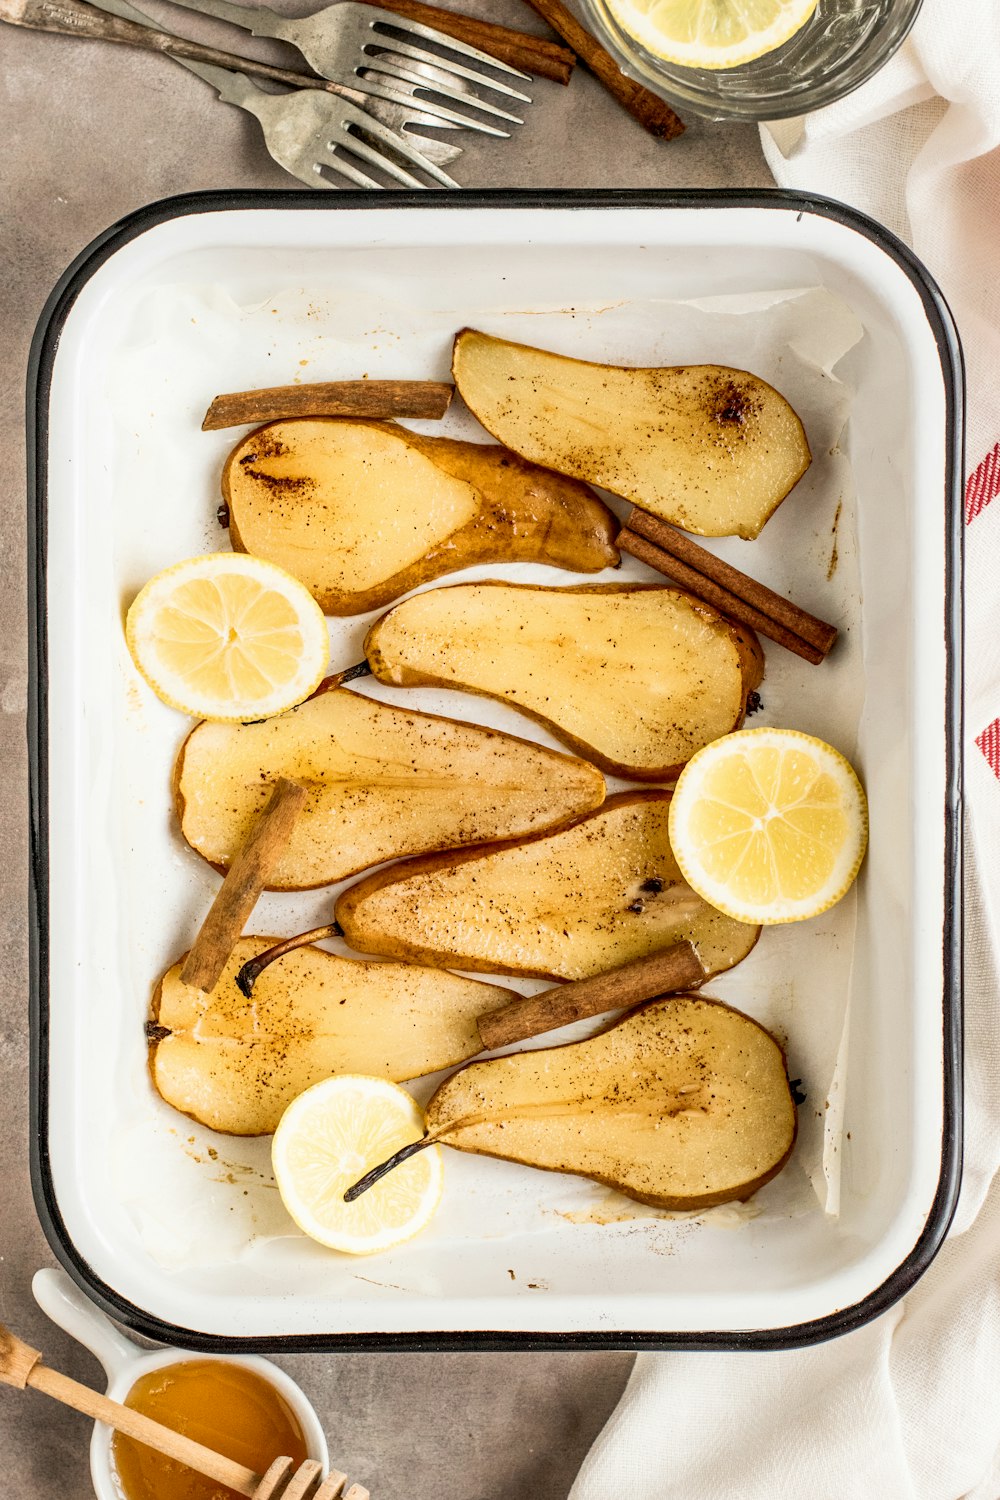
{"x": 841, "y": 45}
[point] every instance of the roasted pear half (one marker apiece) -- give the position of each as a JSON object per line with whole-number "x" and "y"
{"x": 382, "y": 782}
{"x": 712, "y": 449}
{"x": 674, "y": 674}
{"x": 235, "y": 1064}
{"x": 683, "y": 1103}
{"x": 562, "y": 905}
{"x": 362, "y": 512}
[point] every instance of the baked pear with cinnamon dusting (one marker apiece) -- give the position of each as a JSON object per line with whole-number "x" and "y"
{"x": 683, "y": 1103}
{"x": 235, "y": 1063}
{"x": 673, "y": 673}
{"x": 562, "y": 905}
{"x": 381, "y": 782}
{"x": 361, "y": 512}
{"x": 712, "y": 449}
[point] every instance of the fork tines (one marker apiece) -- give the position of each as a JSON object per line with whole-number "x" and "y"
{"x": 402, "y": 68}
{"x": 390, "y": 19}
{"x": 391, "y": 49}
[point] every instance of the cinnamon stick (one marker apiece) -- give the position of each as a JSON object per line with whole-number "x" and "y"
{"x": 246, "y": 878}
{"x": 713, "y": 593}
{"x": 817, "y": 632}
{"x": 529, "y": 53}
{"x": 677, "y": 968}
{"x": 642, "y": 104}
{"x": 367, "y": 399}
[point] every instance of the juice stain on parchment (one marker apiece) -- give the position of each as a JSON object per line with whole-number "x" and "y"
{"x": 232, "y": 1173}
{"x": 835, "y": 553}
{"x": 615, "y": 1208}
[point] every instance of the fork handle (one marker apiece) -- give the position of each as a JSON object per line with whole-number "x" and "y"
{"x": 76, "y": 18}
{"x": 259, "y": 20}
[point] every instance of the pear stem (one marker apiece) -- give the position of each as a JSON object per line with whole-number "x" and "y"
{"x": 254, "y": 967}
{"x": 396, "y": 1160}
{"x": 361, "y": 669}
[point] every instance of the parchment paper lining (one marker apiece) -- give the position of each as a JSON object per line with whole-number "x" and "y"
{"x": 199, "y": 1200}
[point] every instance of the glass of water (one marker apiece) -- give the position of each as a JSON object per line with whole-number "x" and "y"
{"x": 841, "y": 45}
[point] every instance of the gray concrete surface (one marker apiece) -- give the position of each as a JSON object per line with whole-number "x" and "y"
{"x": 91, "y": 132}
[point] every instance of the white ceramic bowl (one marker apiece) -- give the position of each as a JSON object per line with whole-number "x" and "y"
{"x": 125, "y": 1362}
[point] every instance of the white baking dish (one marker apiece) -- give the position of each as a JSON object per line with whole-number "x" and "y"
{"x": 116, "y": 494}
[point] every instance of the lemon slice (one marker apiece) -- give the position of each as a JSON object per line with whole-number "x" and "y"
{"x": 711, "y": 33}
{"x": 228, "y": 636}
{"x": 769, "y": 825}
{"x": 329, "y": 1137}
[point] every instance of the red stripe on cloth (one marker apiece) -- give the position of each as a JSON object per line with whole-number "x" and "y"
{"x": 982, "y": 486}
{"x": 989, "y": 744}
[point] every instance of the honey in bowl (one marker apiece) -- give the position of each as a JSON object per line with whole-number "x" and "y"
{"x": 224, "y": 1405}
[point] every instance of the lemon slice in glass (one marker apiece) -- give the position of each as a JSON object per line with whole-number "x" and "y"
{"x": 711, "y": 33}
{"x": 228, "y": 636}
{"x": 333, "y": 1134}
{"x": 769, "y": 825}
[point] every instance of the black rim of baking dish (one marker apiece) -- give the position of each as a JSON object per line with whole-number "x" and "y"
{"x": 40, "y": 370}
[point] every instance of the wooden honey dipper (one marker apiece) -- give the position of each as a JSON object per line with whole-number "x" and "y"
{"x": 20, "y": 1366}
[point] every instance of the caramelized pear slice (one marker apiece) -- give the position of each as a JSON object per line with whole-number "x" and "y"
{"x": 713, "y": 449}
{"x": 673, "y": 673}
{"x": 683, "y": 1103}
{"x": 362, "y": 512}
{"x": 382, "y": 782}
{"x": 235, "y": 1064}
{"x": 561, "y": 905}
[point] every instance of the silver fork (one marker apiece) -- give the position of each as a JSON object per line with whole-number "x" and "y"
{"x": 348, "y": 41}
{"x": 280, "y": 119}
{"x": 306, "y": 131}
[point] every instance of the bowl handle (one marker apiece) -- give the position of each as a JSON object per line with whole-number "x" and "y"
{"x": 62, "y": 1300}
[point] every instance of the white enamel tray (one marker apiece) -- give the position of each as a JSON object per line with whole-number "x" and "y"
{"x": 172, "y": 306}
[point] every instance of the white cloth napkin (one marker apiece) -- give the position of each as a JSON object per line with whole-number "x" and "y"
{"x": 907, "y": 1408}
